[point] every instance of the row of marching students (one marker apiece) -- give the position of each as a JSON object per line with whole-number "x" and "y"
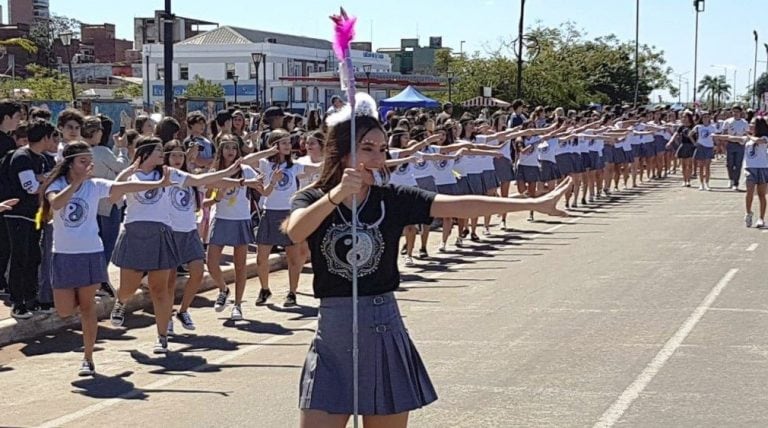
{"x": 160, "y": 230}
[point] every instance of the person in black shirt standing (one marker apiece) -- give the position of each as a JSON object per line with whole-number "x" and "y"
{"x": 10, "y": 115}
{"x": 27, "y": 171}
{"x": 394, "y": 380}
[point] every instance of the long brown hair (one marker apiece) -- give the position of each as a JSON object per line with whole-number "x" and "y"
{"x": 275, "y": 136}
{"x": 61, "y": 170}
{"x": 338, "y": 147}
{"x": 218, "y": 160}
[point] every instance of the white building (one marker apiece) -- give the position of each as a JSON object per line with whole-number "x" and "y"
{"x": 220, "y": 54}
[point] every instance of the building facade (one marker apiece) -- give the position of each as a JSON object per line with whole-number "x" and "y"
{"x": 411, "y": 58}
{"x": 225, "y": 52}
{"x": 149, "y": 31}
{"x": 27, "y": 11}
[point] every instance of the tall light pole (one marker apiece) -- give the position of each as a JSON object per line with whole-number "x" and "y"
{"x": 168, "y": 20}
{"x": 66, "y": 40}
{"x": 461, "y": 48}
{"x": 520, "y": 50}
{"x": 766, "y": 56}
{"x": 680, "y": 86}
{"x": 367, "y": 70}
{"x": 637, "y": 51}
{"x": 257, "y": 58}
{"x": 754, "y": 83}
{"x": 698, "y": 5}
{"x": 235, "y": 78}
{"x": 450, "y": 85}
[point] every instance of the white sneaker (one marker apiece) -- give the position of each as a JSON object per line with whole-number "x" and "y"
{"x": 117, "y": 316}
{"x": 409, "y": 261}
{"x": 760, "y": 223}
{"x": 487, "y": 231}
{"x": 237, "y": 313}
{"x": 161, "y": 346}
{"x": 748, "y": 219}
{"x": 735, "y": 188}
{"x": 503, "y": 225}
{"x": 701, "y": 187}
{"x": 441, "y": 248}
{"x": 707, "y": 188}
{"x": 87, "y": 368}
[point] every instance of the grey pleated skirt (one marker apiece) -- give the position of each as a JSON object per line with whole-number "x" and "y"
{"x": 704, "y": 153}
{"x": 463, "y": 186}
{"x": 189, "y": 246}
{"x": 475, "y": 182}
{"x": 757, "y": 175}
{"x": 503, "y": 169}
{"x": 427, "y": 183}
{"x": 392, "y": 376}
{"x": 661, "y": 144}
{"x": 269, "y": 232}
{"x": 527, "y": 174}
{"x": 448, "y": 189}
{"x": 231, "y": 233}
{"x": 69, "y": 271}
{"x": 548, "y": 171}
{"x": 145, "y": 246}
{"x": 489, "y": 179}
{"x": 564, "y": 164}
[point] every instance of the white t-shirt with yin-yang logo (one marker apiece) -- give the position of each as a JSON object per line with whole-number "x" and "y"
{"x": 75, "y": 228}
{"x": 150, "y": 205}
{"x": 234, "y": 203}
{"x": 280, "y": 198}
{"x": 403, "y": 173}
{"x": 182, "y": 203}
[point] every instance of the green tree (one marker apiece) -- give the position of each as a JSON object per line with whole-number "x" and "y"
{"x": 128, "y": 90}
{"x": 715, "y": 88}
{"x": 43, "y": 84}
{"x": 26, "y": 44}
{"x": 204, "y": 88}
{"x": 43, "y": 34}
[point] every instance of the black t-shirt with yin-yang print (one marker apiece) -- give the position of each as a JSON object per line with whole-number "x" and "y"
{"x": 383, "y": 216}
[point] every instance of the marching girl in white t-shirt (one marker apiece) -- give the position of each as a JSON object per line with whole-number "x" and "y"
{"x": 231, "y": 223}
{"x": 185, "y": 202}
{"x": 705, "y": 148}
{"x": 146, "y": 243}
{"x": 314, "y": 143}
{"x": 756, "y": 167}
{"x": 72, "y": 196}
{"x": 280, "y": 180}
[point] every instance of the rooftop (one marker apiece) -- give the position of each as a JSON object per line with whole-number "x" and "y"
{"x": 227, "y": 35}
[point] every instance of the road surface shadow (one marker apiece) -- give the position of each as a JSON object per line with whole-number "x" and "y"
{"x": 185, "y": 365}
{"x": 258, "y": 327}
{"x": 303, "y": 312}
{"x": 106, "y": 387}
{"x": 205, "y": 343}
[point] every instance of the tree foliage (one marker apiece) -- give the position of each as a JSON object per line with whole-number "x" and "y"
{"x": 203, "y": 88}
{"x": 128, "y": 90}
{"x": 43, "y": 33}
{"x": 568, "y": 70}
{"x": 26, "y": 44}
{"x": 714, "y": 88}
{"x": 43, "y": 84}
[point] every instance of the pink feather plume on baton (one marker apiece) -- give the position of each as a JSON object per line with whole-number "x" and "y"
{"x": 344, "y": 33}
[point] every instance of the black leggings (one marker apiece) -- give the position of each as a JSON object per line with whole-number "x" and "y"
{"x": 25, "y": 259}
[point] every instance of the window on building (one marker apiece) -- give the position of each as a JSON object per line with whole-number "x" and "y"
{"x": 183, "y": 71}
{"x": 160, "y": 73}
{"x": 253, "y": 72}
{"x": 230, "y": 71}
{"x": 297, "y": 69}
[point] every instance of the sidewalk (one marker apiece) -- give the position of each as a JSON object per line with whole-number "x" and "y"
{"x": 12, "y": 330}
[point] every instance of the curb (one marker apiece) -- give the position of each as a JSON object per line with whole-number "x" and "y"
{"x": 12, "y": 330}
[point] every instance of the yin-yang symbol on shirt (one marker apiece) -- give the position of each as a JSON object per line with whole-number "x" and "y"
{"x": 232, "y": 192}
{"x": 752, "y": 151}
{"x": 75, "y": 213}
{"x": 402, "y": 169}
{"x": 181, "y": 198}
{"x": 341, "y": 254}
{"x": 149, "y": 197}
{"x": 544, "y": 148}
{"x": 704, "y": 133}
{"x": 441, "y": 165}
{"x": 421, "y": 164}
{"x": 285, "y": 182}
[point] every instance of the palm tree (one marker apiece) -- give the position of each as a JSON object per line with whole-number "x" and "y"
{"x": 714, "y": 88}
{"x": 21, "y": 42}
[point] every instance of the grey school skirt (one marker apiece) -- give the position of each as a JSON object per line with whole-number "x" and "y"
{"x": 145, "y": 246}
{"x": 269, "y": 232}
{"x": 704, "y": 153}
{"x": 754, "y": 176}
{"x": 189, "y": 246}
{"x": 392, "y": 376}
{"x": 69, "y": 271}
{"x": 463, "y": 185}
{"x": 475, "y": 182}
{"x": 231, "y": 233}
{"x": 504, "y": 170}
{"x": 448, "y": 189}
{"x": 427, "y": 183}
{"x": 489, "y": 180}
{"x": 548, "y": 171}
{"x": 527, "y": 174}
{"x": 564, "y": 164}
{"x": 661, "y": 144}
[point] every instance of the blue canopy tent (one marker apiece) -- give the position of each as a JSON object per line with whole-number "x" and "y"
{"x": 409, "y": 98}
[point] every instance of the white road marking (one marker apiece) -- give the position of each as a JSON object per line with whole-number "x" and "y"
{"x": 633, "y": 391}
{"x": 71, "y": 417}
{"x": 752, "y": 247}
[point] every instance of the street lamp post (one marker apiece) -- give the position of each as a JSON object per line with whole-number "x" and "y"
{"x": 766, "y": 56}
{"x": 235, "y": 78}
{"x": 520, "y": 51}
{"x": 66, "y": 40}
{"x": 367, "y": 70}
{"x": 450, "y": 86}
{"x": 698, "y": 5}
{"x": 637, "y": 51}
{"x": 257, "y": 58}
{"x": 754, "y": 83}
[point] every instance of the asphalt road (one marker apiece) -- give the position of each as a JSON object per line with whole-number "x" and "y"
{"x": 650, "y": 310}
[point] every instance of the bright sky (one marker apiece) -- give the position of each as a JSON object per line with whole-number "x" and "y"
{"x": 725, "y": 28}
